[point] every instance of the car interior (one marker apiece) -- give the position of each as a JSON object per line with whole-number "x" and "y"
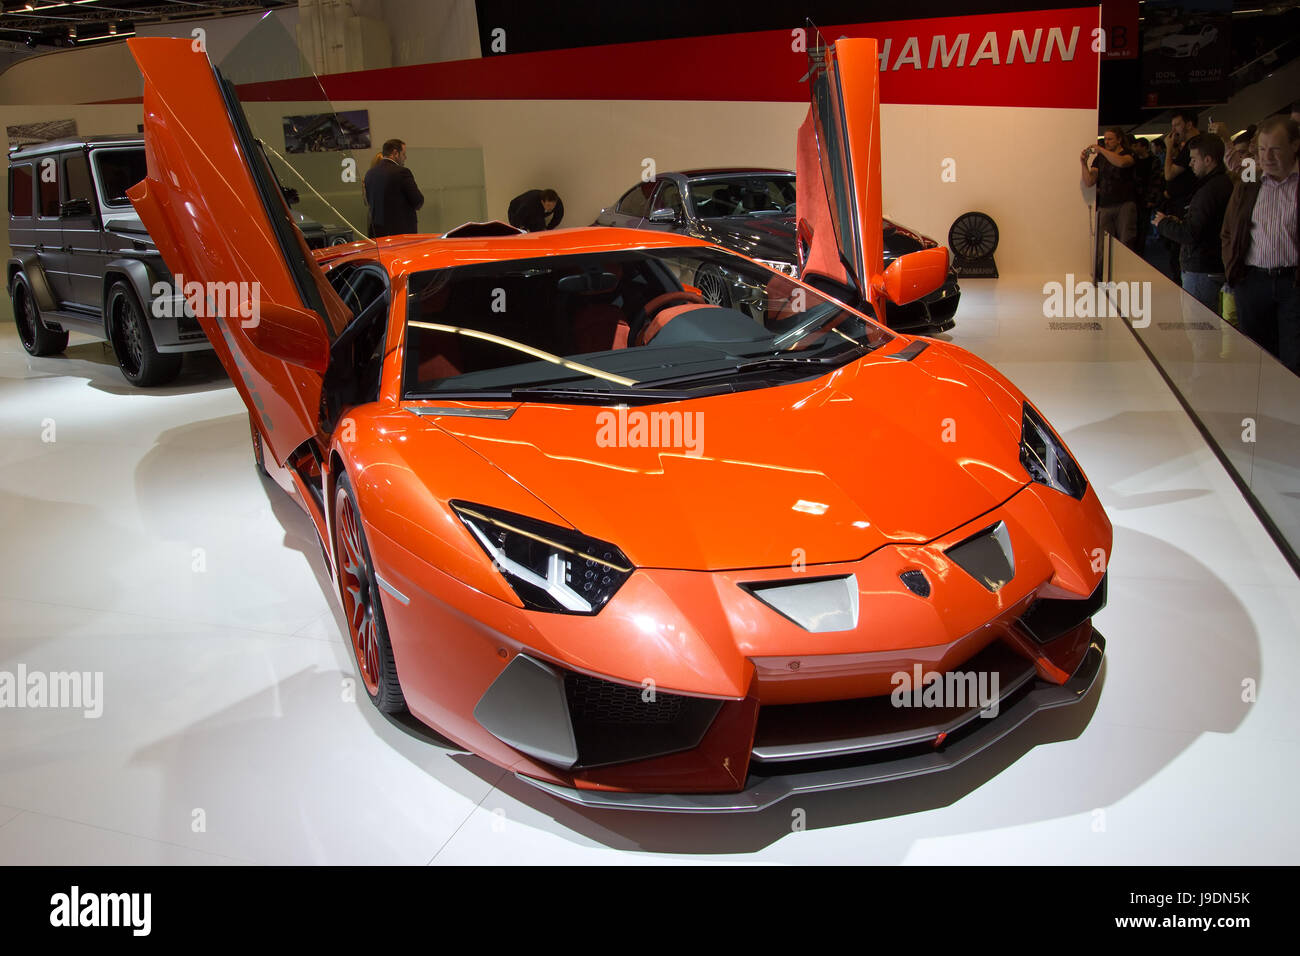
{"x": 593, "y": 305}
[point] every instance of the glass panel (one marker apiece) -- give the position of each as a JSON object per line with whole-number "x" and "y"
{"x": 636, "y": 201}
{"x": 1247, "y": 401}
{"x": 76, "y": 170}
{"x": 49, "y": 187}
{"x": 20, "y": 191}
{"x": 119, "y": 169}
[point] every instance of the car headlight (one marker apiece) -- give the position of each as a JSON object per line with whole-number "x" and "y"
{"x": 1045, "y": 457}
{"x": 787, "y": 268}
{"x": 549, "y": 567}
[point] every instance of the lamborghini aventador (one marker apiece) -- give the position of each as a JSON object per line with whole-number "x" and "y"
{"x": 638, "y": 548}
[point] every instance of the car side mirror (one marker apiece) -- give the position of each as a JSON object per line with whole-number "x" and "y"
{"x": 75, "y": 207}
{"x": 665, "y": 215}
{"x": 290, "y": 335}
{"x": 914, "y": 275}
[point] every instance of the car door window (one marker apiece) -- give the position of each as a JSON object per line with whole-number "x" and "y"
{"x": 47, "y": 176}
{"x": 76, "y": 178}
{"x": 20, "y": 191}
{"x": 119, "y": 170}
{"x": 636, "y": 201}
{"x": 669, "y": 197}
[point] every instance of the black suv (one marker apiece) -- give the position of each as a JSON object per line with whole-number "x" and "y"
{"x": 82, "y": 260}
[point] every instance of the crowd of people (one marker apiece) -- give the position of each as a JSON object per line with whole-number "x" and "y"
{"x": 1222, "y": 214}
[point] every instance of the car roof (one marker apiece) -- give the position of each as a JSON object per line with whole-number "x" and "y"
{"x": 418, "y": 253}
{"x": 733, "y": 171}
{"x": 75, "y": 142}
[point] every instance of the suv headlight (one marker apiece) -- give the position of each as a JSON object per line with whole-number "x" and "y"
{"x": 549, "y": 567}
{"x": 1045, "y": 457}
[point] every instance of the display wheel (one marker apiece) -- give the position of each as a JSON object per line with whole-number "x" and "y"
{"x": 973, "y": 236}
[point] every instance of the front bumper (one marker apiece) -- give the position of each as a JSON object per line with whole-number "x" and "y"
{"x": 1019, "y": 704}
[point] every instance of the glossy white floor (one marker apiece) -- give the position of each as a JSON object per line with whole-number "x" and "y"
{"x": 140, "y": 543}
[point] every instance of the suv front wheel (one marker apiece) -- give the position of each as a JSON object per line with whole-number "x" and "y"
{"x": 141, "y": 363}
{"x": 36, "y": 338}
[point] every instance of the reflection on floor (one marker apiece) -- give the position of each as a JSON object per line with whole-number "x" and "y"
{"x": 140, "y": 543}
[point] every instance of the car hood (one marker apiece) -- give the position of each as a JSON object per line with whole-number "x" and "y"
{"x": 813, "y": 472}
{"x": 759, "y": 237}
{"x": 773, "y": 237}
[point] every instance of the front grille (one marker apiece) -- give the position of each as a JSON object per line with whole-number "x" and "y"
{"x": 614, "y": 723}
{"x": 604, "y": 702}
{"x": 845, "y": 732}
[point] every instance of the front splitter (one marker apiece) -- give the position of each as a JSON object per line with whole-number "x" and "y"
{"x": 763, "y": 792}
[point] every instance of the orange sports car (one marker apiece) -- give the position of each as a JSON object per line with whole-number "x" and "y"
{"x": 640, "y": 550}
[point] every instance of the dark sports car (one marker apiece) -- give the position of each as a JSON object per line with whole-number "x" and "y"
{"x": 753, "y": 212}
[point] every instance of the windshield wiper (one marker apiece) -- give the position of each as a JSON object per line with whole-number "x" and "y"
{"x": 595, "y": 396}
{"x": 767, "y": 363}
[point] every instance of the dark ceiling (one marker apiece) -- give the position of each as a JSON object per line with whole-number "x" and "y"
{"x": 45, "y": 23}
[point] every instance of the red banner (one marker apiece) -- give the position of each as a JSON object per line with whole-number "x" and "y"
{"x": 1043, "y": 58}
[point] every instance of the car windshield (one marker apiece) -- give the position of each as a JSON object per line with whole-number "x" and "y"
{"x": 631, "y": 323}
{"x": 742, "y": 195}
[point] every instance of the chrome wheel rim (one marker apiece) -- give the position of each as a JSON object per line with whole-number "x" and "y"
{"x": 130, "y": 336}
{"x": 711, "y": 288}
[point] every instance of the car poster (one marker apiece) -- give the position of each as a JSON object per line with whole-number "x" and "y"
{"x": 1186, "y": 52}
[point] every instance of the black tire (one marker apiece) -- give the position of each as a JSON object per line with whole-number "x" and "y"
{"x": 713, "y": 286}
{"x": 357, "y": 599}
{"x": 141, "y": 363}
{"x": 36, "y": 338}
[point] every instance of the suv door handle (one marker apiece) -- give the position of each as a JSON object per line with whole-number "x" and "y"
{"x": 66, "y": 248}
{"x": 40, "y": 247}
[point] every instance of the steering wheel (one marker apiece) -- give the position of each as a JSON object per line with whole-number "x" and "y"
{"x": 659, "y": 302}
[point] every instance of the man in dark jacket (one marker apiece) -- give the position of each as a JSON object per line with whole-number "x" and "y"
{"x": 536, "y": 210}
{"x": 1197, "y": 233}
{"x": 1261, "y": 244}
{"x": 391, "y": 194}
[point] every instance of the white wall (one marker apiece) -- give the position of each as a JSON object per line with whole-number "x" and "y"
{"x": 1019, "y": 166}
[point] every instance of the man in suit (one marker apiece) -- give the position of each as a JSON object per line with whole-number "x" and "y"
{"x": 536, "y": 210}
{"x": 391, "y": 194}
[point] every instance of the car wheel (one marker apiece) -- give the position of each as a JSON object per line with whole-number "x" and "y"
{"x": 359, "y": 592}
{"x": 36, "y": 338}
{"x": 141, "y": 363}
{"x": 713, "y": 286}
